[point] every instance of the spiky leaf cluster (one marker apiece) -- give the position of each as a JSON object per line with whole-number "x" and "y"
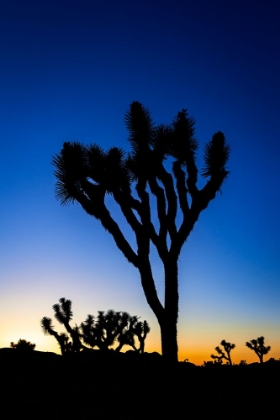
{"x": 81, "y": 169}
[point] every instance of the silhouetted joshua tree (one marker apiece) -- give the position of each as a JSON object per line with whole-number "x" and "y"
{"x": 257, "y": 345}
{"x": 224, "y": 355}
{"x": 62, "y": 339}
{"x": 63, "y": 314}
{"x": 107, "y": 328}
{"x": 141, "y": 329}
{"x": 85, "y": 174}
{"x": 23, "y": 345}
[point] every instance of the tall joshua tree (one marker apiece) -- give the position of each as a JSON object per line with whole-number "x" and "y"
{"x": 223, "y": 354}
{"x": 257, "y": 345}
{"x": 85, "y": 174}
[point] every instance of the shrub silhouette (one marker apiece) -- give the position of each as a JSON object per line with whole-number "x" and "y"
{"x": 23, "y": 345}
{"x": 223, "y": 355}
{"x": 257, "y": 345}
{"x": 217, "y": 362}
{"x": 85, "y": 174}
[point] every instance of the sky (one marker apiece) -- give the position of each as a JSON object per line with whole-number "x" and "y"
{"x": 69, "y": 71}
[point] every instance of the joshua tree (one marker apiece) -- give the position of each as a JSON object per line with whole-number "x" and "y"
{"x": 63, "y": 314}
{"x": 85, "y": 174}
{"x": 101, "y": 331}
{"x": 107, "y": 328}
{"x": 141, "y": 329}
{"x": 88, "y": 331}
{"x": 23, "y": 345}
{"x": 126, "y": 337}
{"x": 48, "y": 329}
{"x": 257, "y": 345}
{"x": 224, "y": 355}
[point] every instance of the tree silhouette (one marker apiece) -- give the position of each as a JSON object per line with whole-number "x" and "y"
{"x": 23, "y": 345}
{"x": 223, "y": 355}
{"x": 141, "y": 329}
{"x": 85, "y": 174}
{"x": 63, "y": 314}
{"x": 257, "y": 345}
{"x": 102, "y": 331}
{"x": 107, "y": 328}
{"x": 48, "y": 329}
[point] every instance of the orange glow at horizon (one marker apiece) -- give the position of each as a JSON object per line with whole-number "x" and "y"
{"x": 194, "y": 355}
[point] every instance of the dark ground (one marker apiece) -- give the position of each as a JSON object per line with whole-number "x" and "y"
{"x": 44, "y": 385}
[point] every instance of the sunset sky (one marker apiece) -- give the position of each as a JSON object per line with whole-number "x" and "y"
{"x": 69, "y": 71}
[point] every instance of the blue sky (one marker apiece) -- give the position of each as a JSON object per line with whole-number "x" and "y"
{"x": 69, "y": 71}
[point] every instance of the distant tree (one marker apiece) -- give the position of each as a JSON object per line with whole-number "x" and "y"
{"x": 23, "y": 345}
{"x": 63, "y": 314}
{"x": 86, "y": 174}
{"x": 126, "y": 336}
{"x": 102, "y": 331}
{"x": 243, "y": 363}
{"x": 62, "y": 339}
{"x": 141, "y": 329}
{"x": 257, "y": 345}
{"x": 224, "y": 355}
{"x": 108, "y": 328}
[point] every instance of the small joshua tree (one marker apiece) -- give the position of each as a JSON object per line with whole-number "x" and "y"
{"x": 23, "y": 345}
{"x": 223, "y": 355}
{"x": 63, "y": 314}
{"x": 257, "y": 345}
{"x": 141, "y": 329}
{"x": 107, "y": 328}
{"x": 48, "y": 329}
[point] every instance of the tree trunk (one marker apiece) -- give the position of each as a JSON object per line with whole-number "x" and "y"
{"x": 169, "y": 323}
{"x": 167, "y": 316}
{"x": 169, "y": 344}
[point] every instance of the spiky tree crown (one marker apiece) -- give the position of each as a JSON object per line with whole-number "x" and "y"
{"x": 150, "y": 144}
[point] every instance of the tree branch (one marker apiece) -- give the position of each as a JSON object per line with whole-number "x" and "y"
{"x": 181, "y": 186}
{"x": 100, "y": 211}
{"x": 167, "y": 181}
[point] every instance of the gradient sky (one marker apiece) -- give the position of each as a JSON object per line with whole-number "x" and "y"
{"x": 69, "y": 70}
